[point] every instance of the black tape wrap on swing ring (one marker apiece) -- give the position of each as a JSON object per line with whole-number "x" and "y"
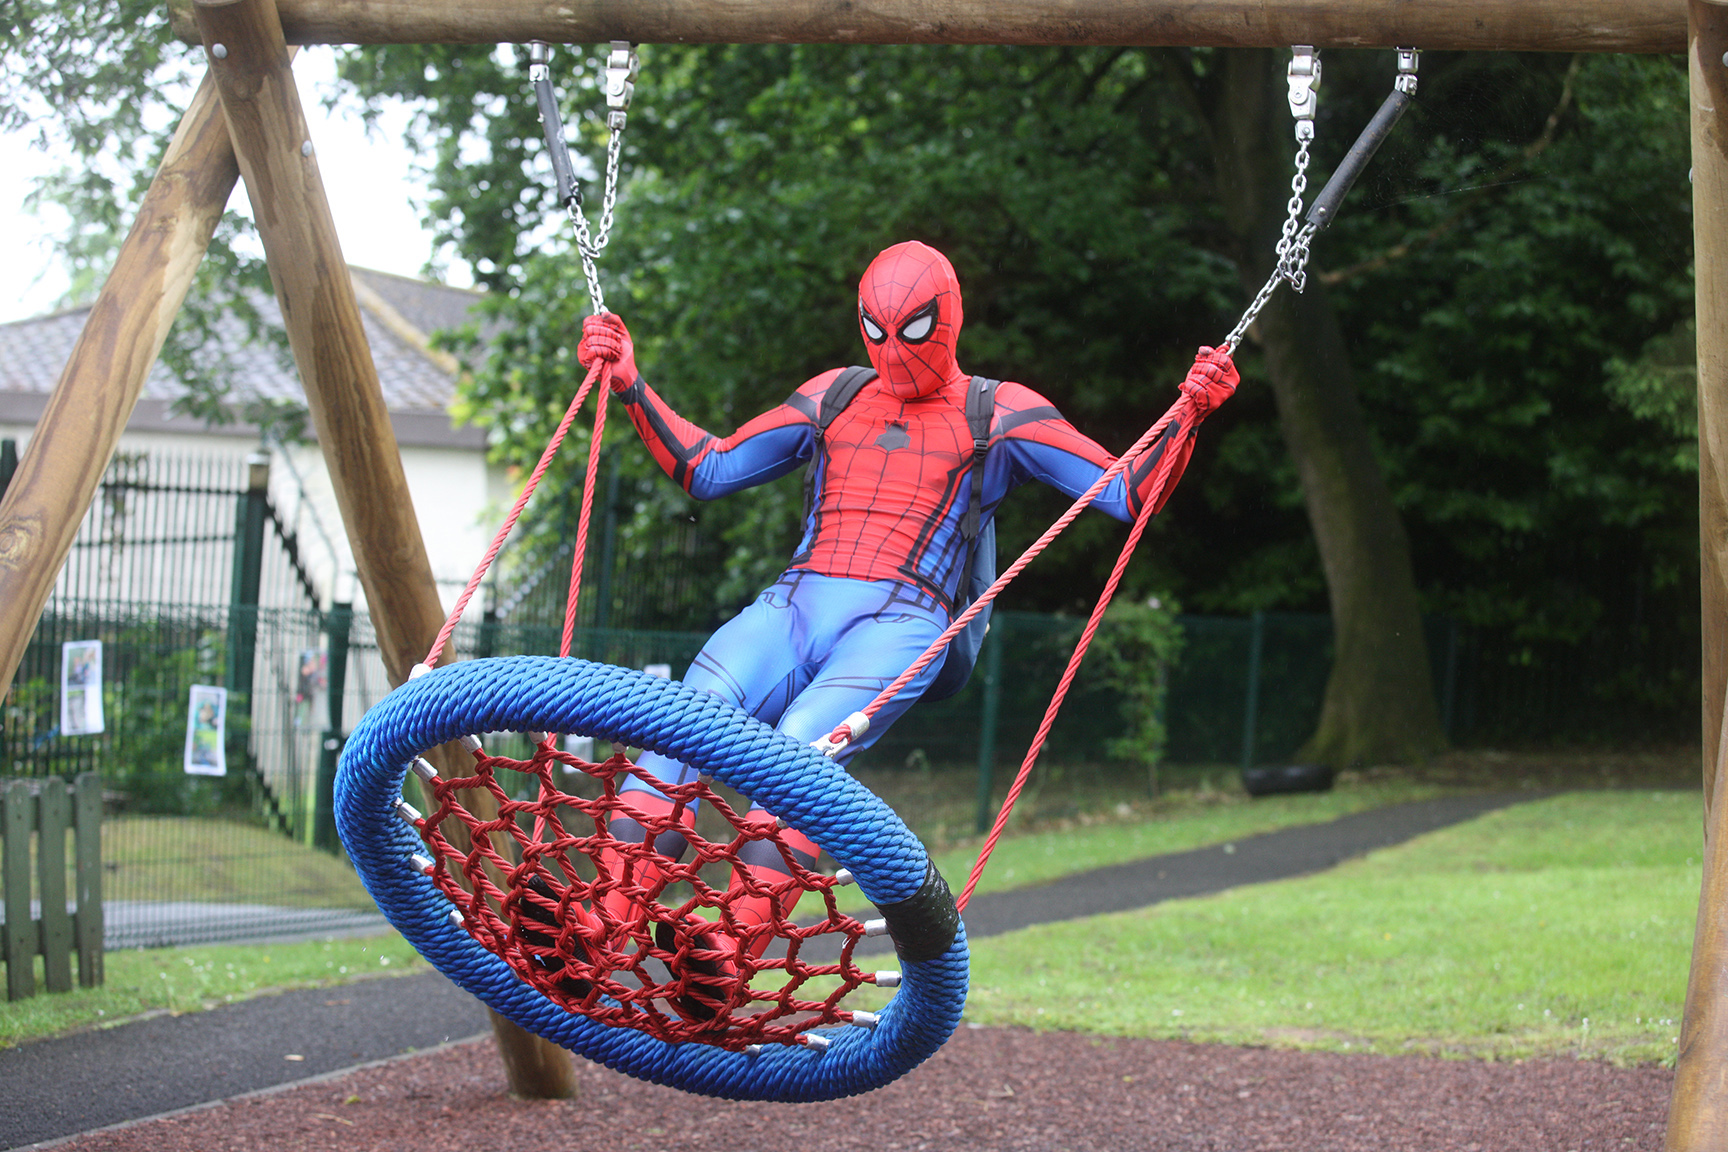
{"x": 1326, "y": 204}
{"x": 923, "y": 925}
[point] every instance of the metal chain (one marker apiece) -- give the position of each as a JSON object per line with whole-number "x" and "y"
{"x": 622, "y": 66}
{"x": 1292, "y": 252}
{"x": 590, "y": 245}
{"x": 1304, "y": 77}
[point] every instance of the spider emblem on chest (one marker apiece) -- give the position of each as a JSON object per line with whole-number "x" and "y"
{"x": 893, "y": 437}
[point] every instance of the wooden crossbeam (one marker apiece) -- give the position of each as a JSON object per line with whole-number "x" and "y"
{"x": 1504, "y": 25}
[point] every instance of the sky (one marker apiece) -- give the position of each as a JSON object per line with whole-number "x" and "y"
{"x": 374, "y": 196}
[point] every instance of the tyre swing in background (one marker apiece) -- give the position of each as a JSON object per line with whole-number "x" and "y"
{"x": 519, "y": 916}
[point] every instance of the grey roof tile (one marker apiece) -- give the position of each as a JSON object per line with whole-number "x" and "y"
{"x": 33, "y": 352}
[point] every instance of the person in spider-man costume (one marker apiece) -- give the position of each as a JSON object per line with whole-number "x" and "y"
{"x": 875, "y": 575}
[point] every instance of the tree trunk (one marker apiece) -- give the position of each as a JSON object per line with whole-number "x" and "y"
{"x": 1379, "y": 704}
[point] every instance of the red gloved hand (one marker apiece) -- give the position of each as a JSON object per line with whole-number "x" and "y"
{"x": 1211, "y": 381}
{"x": 604, "y": 337}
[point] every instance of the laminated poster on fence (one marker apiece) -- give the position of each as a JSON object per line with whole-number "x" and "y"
{"x": 310, "y": 679}
{"x": 81, "y": 688}
{"x": 206, "y": 720}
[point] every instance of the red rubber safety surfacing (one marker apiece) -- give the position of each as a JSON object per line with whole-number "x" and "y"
{"x": 533, "y": 888}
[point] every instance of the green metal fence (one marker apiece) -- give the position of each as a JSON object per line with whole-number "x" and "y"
{"x": 185, "y": 574}
{"x": 1231, "y": 696}
{"x": 197, "y": 858}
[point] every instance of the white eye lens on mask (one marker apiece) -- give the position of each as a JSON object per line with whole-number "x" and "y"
{"x": 871, "y": 328}
{"x": 920, "y": 326}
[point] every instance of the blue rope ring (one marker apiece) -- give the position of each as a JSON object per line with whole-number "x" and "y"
{"x": 795, "y": 782}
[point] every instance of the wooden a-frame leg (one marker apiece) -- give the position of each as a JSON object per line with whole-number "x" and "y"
{"x": 1698, "y": 1111}
{"x": 249, "y": 59}
{"x": 101, "y": 382}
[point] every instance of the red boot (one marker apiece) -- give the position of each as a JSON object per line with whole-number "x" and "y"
{"x": 762, "y": 860}
{"x": 636, "y": 877}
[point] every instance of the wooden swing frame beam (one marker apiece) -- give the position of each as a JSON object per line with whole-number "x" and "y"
{"x": 246, "y": 120}
{"x": 1502, "y": 25}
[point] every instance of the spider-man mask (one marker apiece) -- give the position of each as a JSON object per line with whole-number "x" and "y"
{"x": 909, "y": 312}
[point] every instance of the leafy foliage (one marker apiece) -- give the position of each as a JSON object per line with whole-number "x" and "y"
{"x": 1497, "y": 331}
{"x": 1135, "y": 646}
{"x": 101, "y": 85}
{"x": 1513, "y": 275}
{"x": 763, "y": 182}
{"x": 1541, "y": 484}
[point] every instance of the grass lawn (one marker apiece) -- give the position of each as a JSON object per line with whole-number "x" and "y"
{"x": 221, "y": 861}
{"x": 178, "y": 980}
{"x": 1559, "y": 927}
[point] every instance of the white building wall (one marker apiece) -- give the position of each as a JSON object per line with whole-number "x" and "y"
{"x": 459, "y": 501}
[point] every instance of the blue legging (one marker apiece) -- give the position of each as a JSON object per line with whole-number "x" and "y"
{"x": 810, "y": 651}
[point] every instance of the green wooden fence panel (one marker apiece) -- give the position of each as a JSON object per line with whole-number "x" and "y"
{"x": 17, "y": 818}
{"x": 44, "y": 812}
{"x": 53, "y": 821}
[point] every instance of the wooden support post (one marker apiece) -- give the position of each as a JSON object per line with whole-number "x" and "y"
{"x": 1698, "y": 1111}
{"x": 1509, "y": 25}
{"x": 250, "y": 61}
{"x": 66, "y": 456}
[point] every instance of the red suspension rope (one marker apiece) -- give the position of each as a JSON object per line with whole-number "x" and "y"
{"x": 1140, "y": 522}
{"x": 570, "y": 602}
{"x": 843, "y": 733}
{"x": 601, "y": 372}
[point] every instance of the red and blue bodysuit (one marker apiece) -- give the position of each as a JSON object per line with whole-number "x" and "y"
{"x": 875, "y": 576}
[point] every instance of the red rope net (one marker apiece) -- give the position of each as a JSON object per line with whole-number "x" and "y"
{"x": 622, "y": 934}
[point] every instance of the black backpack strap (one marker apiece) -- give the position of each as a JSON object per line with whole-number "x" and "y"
{"x": 980, "y": 414}
{"x": 842, "y": 390}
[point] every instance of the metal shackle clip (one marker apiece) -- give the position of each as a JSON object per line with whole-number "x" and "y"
{"x": 1304, "y": 76}
{"x": 539, "y": 56}
{"x": 622, "y": 66}
{"x": 1408, "y": 58}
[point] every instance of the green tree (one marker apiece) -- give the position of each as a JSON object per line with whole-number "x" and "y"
{"x": 1527, "y": 370}
{"x": 1379, "y": 703}
{"x": 763, "y": 182}
{"x": 1084, "y": 219}
{"x": 1510, "y": 285}
{"x": 101, "y": 87}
